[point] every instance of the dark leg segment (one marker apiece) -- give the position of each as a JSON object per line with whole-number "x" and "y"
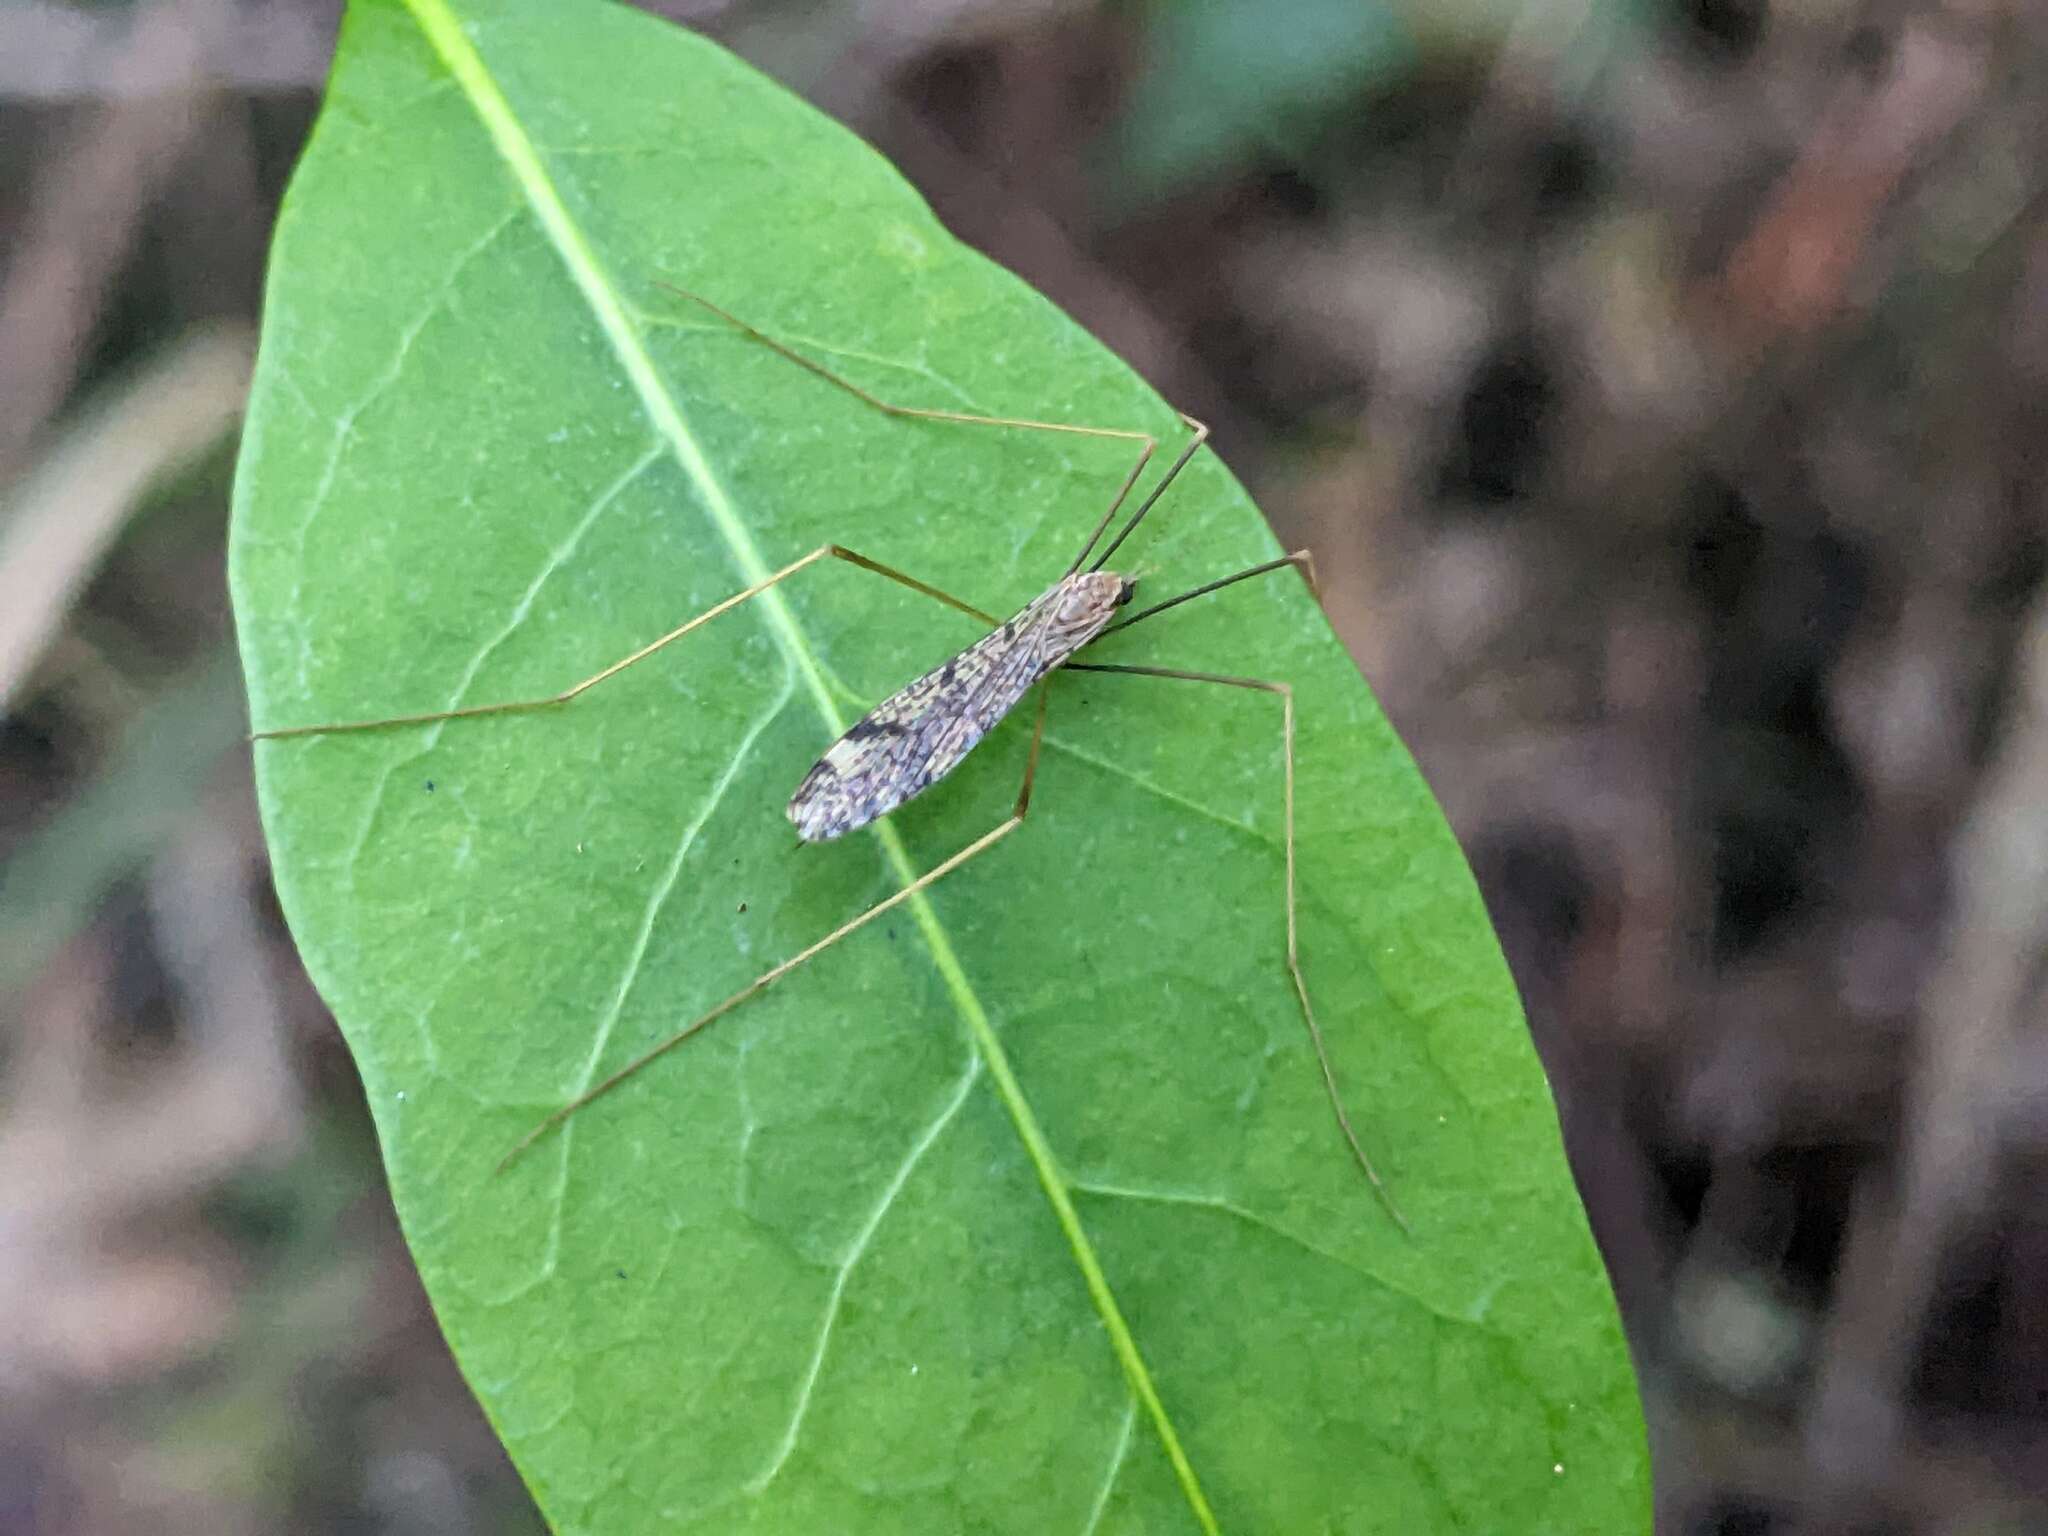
{"x": 1300, "y": 559}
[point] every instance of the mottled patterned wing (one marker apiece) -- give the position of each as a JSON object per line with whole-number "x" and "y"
{"x": 917, "y": 736}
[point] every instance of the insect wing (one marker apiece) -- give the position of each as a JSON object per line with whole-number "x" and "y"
{"x": 919, "y": 734}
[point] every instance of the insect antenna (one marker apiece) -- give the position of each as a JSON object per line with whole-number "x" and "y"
{"x": 1193, "y": 446}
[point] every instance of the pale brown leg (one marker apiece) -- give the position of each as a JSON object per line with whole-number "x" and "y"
{"x": 966, "y": 418}
{"x": 822, "y": 552}
{"x": 1308, "y": 1013}
{"x": 768, "y": 978}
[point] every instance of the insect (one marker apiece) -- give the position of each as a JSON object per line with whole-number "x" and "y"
{"x": 914, "y": 738}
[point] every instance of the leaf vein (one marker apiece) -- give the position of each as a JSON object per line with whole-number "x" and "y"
{"x": 1227, "y": 1207}
{"x": 665, "y": 887}
{"x": 559, "y": 556}
{"x": 643, "y": 936}
{"x": 1117, "y": 1456}
{"x": 855, "y": 1252}
{"x": 344, "y": 423}
{"x": 1160, "y": 792}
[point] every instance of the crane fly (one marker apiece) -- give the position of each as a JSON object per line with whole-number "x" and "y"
{"x": 921, "y": 733}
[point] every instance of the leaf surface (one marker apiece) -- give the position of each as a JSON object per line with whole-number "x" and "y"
{"x": 1023, "y": 1208}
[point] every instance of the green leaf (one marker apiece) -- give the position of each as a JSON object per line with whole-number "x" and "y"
{"x": 887, "y": 1248}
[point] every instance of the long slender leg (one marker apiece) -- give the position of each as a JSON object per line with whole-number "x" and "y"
{"x": 1308, "y": 1012}
{"x": 513, "y": 706}
{"x": 768, "y": 978}
{"x": 1188, "y": 451}
{"x": 1150, "y": 444}
{"x": 1300, "y": 559}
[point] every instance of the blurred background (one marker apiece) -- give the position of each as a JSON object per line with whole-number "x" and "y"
{"x": 1659, "y": 385}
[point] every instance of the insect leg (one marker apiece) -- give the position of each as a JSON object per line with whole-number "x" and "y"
{"x": 1193, "y": 446}
{"x": 1308, "y": 1013}
{"x": 1300, "y": 559}
{"x": 1149, "y": 444}
{"x": 768, "y": 978}
{"x": 514, "y": 706}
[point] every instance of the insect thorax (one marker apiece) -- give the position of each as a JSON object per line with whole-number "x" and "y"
{"x": 1081, "y": 604}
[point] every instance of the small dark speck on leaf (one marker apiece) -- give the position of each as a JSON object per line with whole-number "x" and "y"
{"x": 743, "y": 906}
{"x": 430, "y": 786}
{"x": 892, "y": 933}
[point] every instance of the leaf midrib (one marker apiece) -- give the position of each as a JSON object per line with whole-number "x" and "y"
{"x": 445, "y": 34}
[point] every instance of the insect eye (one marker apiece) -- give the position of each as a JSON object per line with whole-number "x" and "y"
{"x": 1125, "y": 593}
